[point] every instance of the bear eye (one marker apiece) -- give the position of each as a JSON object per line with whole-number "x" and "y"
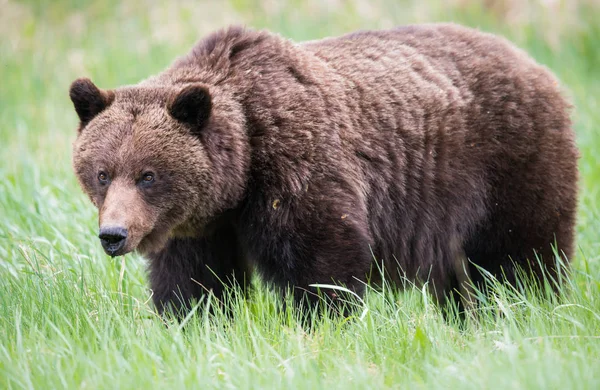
{"x": 147, "y": 178}
{"x": 102, "y": 177}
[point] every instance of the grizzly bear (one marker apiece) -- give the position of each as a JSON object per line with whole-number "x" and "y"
{"x": 432, "y": 152}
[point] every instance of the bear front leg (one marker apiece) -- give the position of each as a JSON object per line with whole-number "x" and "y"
{"x": 329, "y": 249}
{"x": 189, "y": 268}
{"x": 340, "y": 256}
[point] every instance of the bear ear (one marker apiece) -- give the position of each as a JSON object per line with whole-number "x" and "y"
{"x": 192, "y": 105}
{"x": 88, "y": 99}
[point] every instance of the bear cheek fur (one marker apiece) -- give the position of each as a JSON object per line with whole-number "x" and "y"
{"x": 213, "y": 166}
{"x": 85, "y": 170}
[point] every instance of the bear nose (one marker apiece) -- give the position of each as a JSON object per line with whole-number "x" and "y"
{"x": 112, "y": 239}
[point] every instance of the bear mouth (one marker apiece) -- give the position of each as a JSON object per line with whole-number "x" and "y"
{"x": 153, "y": 242}
{"x": 114, "y": 250}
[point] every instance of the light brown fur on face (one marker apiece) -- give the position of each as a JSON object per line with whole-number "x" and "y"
{"x": 134, "y": 135}
{"x": 123, "y": 206}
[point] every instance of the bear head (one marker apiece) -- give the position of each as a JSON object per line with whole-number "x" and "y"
{"x": 158, "y": 160}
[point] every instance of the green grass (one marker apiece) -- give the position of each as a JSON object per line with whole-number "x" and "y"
{"x": 70, "y": 317}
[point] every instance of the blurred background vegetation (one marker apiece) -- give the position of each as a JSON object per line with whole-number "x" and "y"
{"x": 54, "y": 276}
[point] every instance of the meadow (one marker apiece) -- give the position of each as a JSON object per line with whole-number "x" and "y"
{"x": 71, "y": 317}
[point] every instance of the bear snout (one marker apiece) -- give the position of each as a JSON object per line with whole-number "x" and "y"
{"x": 113, "y": 239}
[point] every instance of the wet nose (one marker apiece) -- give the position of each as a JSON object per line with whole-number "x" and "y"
{"x": 113, "y": 239}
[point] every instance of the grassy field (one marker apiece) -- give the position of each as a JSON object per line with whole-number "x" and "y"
{"x": 70, "y": 317}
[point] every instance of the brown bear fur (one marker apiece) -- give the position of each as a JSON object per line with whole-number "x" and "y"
{"x": 416, "y": 148}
